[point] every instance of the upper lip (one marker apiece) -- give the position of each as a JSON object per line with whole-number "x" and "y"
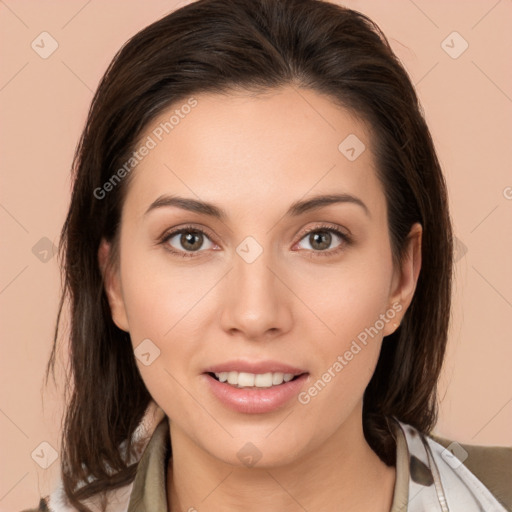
{"x": 267, "y": 366}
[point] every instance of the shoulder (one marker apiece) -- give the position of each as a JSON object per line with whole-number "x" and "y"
{"x": 492, "y": 465}
{"x": 119, "y": 497}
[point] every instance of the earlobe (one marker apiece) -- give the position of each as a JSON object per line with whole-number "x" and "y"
{"x": 112, "y": 285}
{"x": 406, "y": 278}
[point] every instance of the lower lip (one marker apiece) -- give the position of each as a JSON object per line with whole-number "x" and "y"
{"x": 255, "y": 400}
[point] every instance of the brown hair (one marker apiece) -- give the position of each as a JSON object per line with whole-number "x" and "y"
{"x": 220, "y": 46}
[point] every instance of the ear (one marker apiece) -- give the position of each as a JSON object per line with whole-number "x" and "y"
{"x": 405, "y": 278}
{"x": 112, "y": 283}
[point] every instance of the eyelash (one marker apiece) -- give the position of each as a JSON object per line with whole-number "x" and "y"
{"x": 346, "y": 240}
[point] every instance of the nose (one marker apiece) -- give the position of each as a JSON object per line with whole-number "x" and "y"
{"x": 257, "y": 302}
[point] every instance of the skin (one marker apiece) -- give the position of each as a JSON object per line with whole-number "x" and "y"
{"x": 254, "y": 156}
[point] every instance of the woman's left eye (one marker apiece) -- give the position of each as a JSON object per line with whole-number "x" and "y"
{"x": 192, "y": 240}
{"x": 321, "y": 238}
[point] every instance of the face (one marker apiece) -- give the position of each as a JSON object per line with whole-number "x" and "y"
{"x": 309, "y": 287}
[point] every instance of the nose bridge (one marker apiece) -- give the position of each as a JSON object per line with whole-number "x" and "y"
{"x": 256, "y": 301}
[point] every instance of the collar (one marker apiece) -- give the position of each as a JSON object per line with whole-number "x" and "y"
{"x": 149, "y": 487}
{"x": 437, "y": 480}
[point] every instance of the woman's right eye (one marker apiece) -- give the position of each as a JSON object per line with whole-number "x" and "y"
{"x": 186, "y": 241}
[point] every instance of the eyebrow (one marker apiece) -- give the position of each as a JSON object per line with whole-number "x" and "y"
{"x": 297, "y": 208}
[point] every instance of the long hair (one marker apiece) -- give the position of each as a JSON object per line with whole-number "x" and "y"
{"x": 218, "y": 46}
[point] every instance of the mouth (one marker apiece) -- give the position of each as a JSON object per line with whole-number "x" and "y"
{"x": 253, "y": 393}
{"x": 255, "y": 381}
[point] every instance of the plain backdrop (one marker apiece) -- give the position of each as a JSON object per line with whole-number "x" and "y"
{"x": 466, "y": 93}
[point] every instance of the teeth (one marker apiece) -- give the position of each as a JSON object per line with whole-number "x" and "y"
{"x": 259, "y": 380}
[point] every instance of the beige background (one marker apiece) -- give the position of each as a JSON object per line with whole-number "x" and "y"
{"x": 468, "y": 105}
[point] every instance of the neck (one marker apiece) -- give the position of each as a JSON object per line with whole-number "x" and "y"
{"x": 341, "y": 470}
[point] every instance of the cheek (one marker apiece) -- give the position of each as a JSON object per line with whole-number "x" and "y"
{"x": 353, "y": 309}
{"x": 348, "y": 298}
{"x": 159, "y": 294}
{"x": 165, "y": 303}
{"x": 345, "y": 359}
{"x": 164, "y": 312}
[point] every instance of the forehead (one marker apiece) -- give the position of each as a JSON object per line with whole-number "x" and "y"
{"x": 250, "y": 152}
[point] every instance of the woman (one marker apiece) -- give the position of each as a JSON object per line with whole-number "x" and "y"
{"x": 258, "y": 253}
